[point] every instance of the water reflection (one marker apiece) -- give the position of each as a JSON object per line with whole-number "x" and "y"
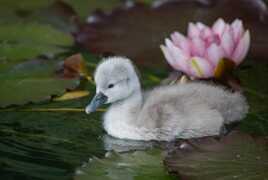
{"x": 122, "y": 145}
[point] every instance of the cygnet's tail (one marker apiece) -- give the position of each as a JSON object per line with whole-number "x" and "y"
{"x": 236, "y": 108}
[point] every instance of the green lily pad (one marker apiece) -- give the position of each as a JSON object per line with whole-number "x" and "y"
{"x": 56, "y": 13}
{"x": 13, "y": 11}
{"x": 23, "y": 4}
{"x": 236, "y": 156}
{"x": 138, "y": 165}
{"x": 32, "y": 81}
{"x": 20, "y": 41}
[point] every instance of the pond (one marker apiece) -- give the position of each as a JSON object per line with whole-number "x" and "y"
{"x": 46, "y": 137}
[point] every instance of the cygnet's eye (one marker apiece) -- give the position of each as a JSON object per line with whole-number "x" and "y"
{"x": 110, "y": 86}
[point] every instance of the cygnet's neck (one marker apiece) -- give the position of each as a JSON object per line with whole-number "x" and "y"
{"x": 132, "y": 103}
{"x": 130, "y": 107}
{"x": 121, "y": 118}
{"x": 126, "y": 110}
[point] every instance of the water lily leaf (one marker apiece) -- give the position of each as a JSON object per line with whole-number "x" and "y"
{"x": 71, "y": 95}
{"x": 58, "y": 14}
{"x": 20, "y": 41}
{"x": 236, "y": 156}
{"x": 11, "y": 9}
{"x": 23, "y": 4}
{"x": 34, "y": 33}
{"x": 32, "y": 81}
{"x": 138, "y": 165}
{"x": 121, "y": 32}
{"x": 54, "y": 12}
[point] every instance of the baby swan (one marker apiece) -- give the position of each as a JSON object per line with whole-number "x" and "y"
{"x": 177, "y": 111}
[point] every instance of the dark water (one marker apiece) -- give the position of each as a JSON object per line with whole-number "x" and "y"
{"x": 47, "y": 145}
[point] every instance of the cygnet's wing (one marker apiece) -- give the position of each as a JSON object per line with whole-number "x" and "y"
{"x": 176, "y": 112}
{"x": 202, "y": 121}
{"x": 232, "y": 106}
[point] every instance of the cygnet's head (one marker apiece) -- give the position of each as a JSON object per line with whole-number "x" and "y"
{"x": 116, "y": 80}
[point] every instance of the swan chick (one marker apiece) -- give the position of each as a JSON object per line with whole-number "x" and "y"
{"x": 188, "y": 110}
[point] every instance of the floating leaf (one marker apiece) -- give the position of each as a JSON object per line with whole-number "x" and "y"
{"x": 34, "y": 33}
{"x": 58, "y": 14}
{"x": 138, "y": 165}
{"x": 121, "y": 32}
{"x": 236, "y": 156}
{"x": 25, "y": 41}
{"x": 54, "y": 12}
{"x": 71, "y": 95}
{"x": 23, "y": 4}
{"x": 11, "y": 9}
{"x": 32, "y": 81}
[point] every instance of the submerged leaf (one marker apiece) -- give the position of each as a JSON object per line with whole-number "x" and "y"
{"x": 236, "y": 156}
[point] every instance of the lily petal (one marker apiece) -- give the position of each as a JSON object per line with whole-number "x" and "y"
{"x": 198, "y": 47}
{"x": 214, "y": 54}
{"x": 200, "y": 68}
{"x": 167, "y": 55}
{"x": 219, "y": 26}
{"x": 181, "y": 41}
{"x": 180, "y": 58}
{"x": 193, "y": 31}
{"x": 241, "y": 49}
{"x": 206, "y": 33}
{"x": 237, "y": 30}
{"x": 201, "y": 26}
{"x": 227, "y": 42}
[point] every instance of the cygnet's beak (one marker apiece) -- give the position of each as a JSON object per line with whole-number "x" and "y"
{"x": 98, "y": 100}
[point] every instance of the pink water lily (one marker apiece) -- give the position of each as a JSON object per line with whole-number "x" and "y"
{"x": 199, "y": 54}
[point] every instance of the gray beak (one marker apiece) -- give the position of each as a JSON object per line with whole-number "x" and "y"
{"x": 98, "y": 100}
